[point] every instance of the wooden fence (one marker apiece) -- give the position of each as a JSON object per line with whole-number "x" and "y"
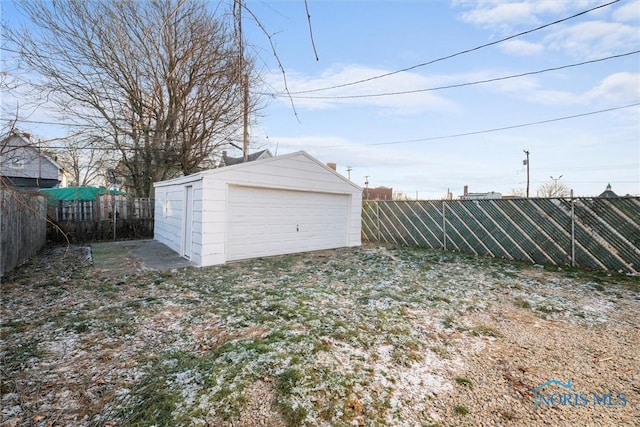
{"x": 593, "y": 233}
{"x": 22, "y": 227}
{"x": 94, "y": 220}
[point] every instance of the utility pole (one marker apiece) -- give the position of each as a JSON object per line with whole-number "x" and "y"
{"x": 349, "y": 169}
{"x": 366, "y": 187}
{"x": 243, "y": 78}
{"x": 245, "y": 136}
{"x": 526, "y": 163}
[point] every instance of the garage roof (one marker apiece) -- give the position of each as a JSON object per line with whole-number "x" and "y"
{"x": 198, "y": 176}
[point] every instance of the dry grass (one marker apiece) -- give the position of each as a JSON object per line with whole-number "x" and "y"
{"x": 364, "y": 336}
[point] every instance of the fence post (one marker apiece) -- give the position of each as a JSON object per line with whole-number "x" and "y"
{"x": 573, "y": 231}
{"x": 2, "y": 253}
{"x": 378, "y": 218}
{"x": 113, "y": 215}
{"x": 444, "y": 227}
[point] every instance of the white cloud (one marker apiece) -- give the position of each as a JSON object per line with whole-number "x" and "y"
{"x": 609, "y": 30}
{"x": 594, "y": 39}
{"x": 530, "y": 89}
{"x": 493, "y": 14}
{"x": 343, "y": 151}
{"x": 506, "y": 15}
{"x": 350, "y": 96}
{"x": 628, "y": 12}
{"x": 616, "y": 89}
{"x": 522, "y": 48}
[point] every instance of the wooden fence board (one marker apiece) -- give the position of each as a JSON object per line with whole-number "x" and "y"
{"x": 93, "y": 220}
{"x": 22, "y": 227}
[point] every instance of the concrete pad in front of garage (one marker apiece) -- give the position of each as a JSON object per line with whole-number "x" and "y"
{"x": 120, "y": 257}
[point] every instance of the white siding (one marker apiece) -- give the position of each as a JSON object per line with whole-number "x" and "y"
{"x": 214, "y": 216}
{"x": 169, "y": 211}
{"x": 263, "y": 222}
{"x": 293, "y": 172}
{"x": 20, "y": 158}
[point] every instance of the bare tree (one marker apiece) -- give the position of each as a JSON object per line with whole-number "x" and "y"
{"x": 519, "y": 192}
{"x": 158, "y": 80}
{"x": 554, "y": 188}
{"x": 400, "y": 195}
{"x": 6, "y": 151}
{"x": 84, "y": 159}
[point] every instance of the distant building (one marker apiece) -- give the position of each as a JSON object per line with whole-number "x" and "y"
{"x": 378, "y": 193}
{"x": 608, "y": 193}
{"x": 228, "y": 161}
{"x": 23, "y": 165}
{"x": 477, "y": 196}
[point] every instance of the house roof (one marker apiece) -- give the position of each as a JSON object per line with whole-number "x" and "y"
{"x": 608, "y": 193}
{"x": 229, "y": 161}
{"x": 77, "y": 193}
{"x": 198, "y": 176}
{"x": 27, "y": 144}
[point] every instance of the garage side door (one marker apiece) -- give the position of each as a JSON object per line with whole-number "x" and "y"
{"x": 264, "y": 222}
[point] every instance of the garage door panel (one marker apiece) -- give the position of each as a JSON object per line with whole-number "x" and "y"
{"x": 264, "y": 222}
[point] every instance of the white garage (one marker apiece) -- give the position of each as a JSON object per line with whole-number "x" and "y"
{"x": 285, "y": 204}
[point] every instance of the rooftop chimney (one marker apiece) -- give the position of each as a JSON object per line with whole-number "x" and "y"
{"x": 332, "y": 165}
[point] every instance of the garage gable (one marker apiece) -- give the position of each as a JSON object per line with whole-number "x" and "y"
{"x": 296, "y": 171}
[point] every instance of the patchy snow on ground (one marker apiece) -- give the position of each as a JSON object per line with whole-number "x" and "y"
{"x": 377, "y": 335}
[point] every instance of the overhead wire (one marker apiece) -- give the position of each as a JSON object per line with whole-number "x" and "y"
{"x": 521, "y": 125}
{"x": 445, "y": 87}
{"x": 457, "y": 85}
{"x": 443, "y": 58}
{"x": 434, "y": 138}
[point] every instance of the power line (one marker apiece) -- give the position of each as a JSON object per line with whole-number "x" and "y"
{"x": 477, "y": 82}
{"x": 374, "y": 95}
{"x": 600, "y": 182}
{"x": 521, "y": 125}
{"x": 457, "y": 53}
{"x": 634, "y": 166}
{"x": 434, "y": 138}
{"x": 40, "y": 122}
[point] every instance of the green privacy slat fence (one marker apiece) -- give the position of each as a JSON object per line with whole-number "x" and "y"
{"x": 601, "y": 234}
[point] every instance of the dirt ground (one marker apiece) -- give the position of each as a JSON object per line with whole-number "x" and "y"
{"x": 378, "y": 335}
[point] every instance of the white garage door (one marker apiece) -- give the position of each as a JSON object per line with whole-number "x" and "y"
{"x": 264, "y": 222}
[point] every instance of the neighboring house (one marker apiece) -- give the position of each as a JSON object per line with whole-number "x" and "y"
{"x": 24, "y": 167}
{"x": 608, "y": 193}
{"x": 378, "y": 193}
{"x": 228, "y": 161}
{"x": 479, "y": 196}
{"x": 279, "y": 205}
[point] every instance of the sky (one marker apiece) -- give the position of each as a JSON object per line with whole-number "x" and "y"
{"x": 415, "y": 142}
{"x": 378, "y": 100}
